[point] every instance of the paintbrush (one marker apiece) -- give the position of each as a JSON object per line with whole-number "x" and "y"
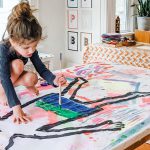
{"x": 60, "y": 101}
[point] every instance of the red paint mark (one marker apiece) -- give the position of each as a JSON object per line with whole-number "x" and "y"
{"x": 80, "y": 120}
{"x": 72, "y": 17}
{"x": 83, "y": 98}
{"x": 146, "y": 100}
{"x": 88, "y": 133}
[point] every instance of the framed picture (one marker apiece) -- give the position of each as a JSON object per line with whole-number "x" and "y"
{"x": 86, "y": 3}
{"x": 86, "y": 39}
{"x": 72, "y": 3}
{"x": 1, "y": 3}
{"x": 72, "y": 41}
{"x": 86, "y": 20}
{"x": 72, "y": 19}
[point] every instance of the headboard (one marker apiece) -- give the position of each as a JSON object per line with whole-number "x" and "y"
{"x": 136, "y": 56}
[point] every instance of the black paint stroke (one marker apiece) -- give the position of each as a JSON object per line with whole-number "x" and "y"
{"x": 78, "y": 88}
{"x": 109, "y": 122}
{"x": 113, "y": 98}
{"x": 47, "y": 127}
{"x": 86, "y": 129}
{"x": 69, "y": 86}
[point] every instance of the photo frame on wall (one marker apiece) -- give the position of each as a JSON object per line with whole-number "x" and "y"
{"x": 86, "y": 3}
{"x": 85, "y": 20}
{"x": 72, "y": 19}
{"x": 85, "y": 39}
{"x": 1, "y": 3}
{"x": 72, "y": 41}
{"x": 72, "y": 3}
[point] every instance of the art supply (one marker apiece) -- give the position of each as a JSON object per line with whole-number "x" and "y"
{"x": 44, "y": 84}
{"x": 60, "y": 102}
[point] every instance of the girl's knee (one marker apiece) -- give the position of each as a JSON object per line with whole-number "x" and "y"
{"x": 17, "y": 66}
{"x": 31, "y": 79}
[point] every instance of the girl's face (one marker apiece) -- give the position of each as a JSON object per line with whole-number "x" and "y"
{"x": 25, "y": 49}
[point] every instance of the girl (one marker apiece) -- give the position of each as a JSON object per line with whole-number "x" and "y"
{"x": 24, "y": 33}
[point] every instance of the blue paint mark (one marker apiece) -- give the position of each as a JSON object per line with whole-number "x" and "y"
{"x": 67, "y": 104}
{"x": 69, "y": 79}
{"x": 137, "y": 87}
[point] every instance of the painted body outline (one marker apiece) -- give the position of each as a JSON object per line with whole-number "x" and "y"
{"x": 83, "y": 129}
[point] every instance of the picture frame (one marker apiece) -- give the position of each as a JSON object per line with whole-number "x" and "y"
{"x": 86, "y": 20}
{"x": 72, "y": 41}
{"x": 86, "y": 3}
{"x": 72, "y": 3}
{"x": 85, "y": 39}
{"x": 1, "y": 3}
{"x": 72, "y": 19}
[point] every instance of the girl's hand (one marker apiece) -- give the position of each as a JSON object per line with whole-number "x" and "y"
{"x": 60, "y": 80}
{"x": 19, "y": 116}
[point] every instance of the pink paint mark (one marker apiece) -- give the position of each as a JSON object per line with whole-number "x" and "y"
{"x": 118, "y": 107}
{"x": 112, "y": 94}
{"x": 145, "y": 105}
{"x": 133, "y": 71}
{"x": 97, "y": 120}
{"x": 36, "y": 113}
{"x": 52, "y": 117}
{"x": 42, "y": 88}
{"x": 4, "y": 110}
{"x": 68, "y": 75}
{"x": 25, "y": 92}
{"x": 113, "y": 107}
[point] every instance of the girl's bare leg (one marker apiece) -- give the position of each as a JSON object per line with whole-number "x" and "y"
{"x": 29, "y": 80}
{"x": 16, "y": 68}
{"x": 20, "y": 77}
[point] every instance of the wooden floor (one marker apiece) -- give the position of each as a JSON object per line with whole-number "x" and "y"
{"x": 144, "y": 147}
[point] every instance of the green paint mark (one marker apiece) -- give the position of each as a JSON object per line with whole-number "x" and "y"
{"x": 129, "y": 133}
{"x": 62, "y": 112}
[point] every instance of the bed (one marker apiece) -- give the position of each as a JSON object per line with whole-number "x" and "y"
{"x": 104, "y": 107}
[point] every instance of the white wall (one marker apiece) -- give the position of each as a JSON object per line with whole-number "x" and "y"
{"x": 75, "y": 57}
{"x": 4, "y": 13}
{"x": 52, "y": 18}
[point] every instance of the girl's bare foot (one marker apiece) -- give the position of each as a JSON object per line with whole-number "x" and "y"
{"x": 33, "y": 90}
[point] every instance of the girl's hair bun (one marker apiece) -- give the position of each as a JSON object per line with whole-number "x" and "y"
{"x": 22, "y": 24}
{"x": 22, "y": 11}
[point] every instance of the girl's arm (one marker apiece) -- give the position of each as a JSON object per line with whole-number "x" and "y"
{"x": 41, "y": 68}
{"x": 5, "y": 77}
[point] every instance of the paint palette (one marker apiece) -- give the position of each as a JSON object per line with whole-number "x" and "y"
{"x": 69, "y": 108}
